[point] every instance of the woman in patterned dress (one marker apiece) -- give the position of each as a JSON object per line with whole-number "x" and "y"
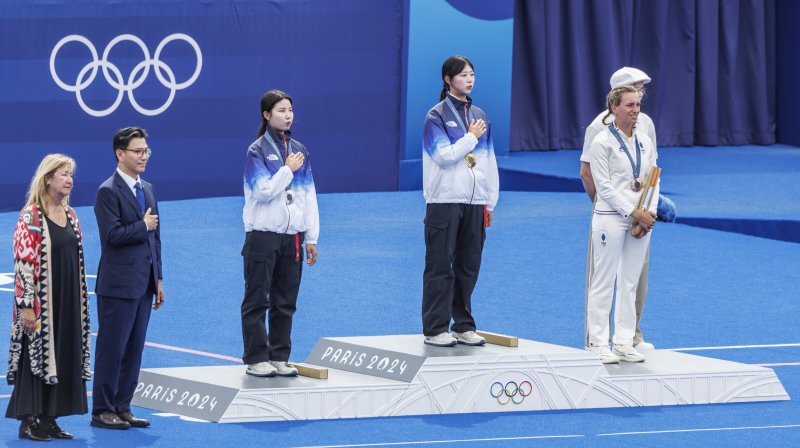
{"x": 49, "y": 354}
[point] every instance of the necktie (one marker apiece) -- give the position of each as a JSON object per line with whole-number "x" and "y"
{"x": 139, "y": 196}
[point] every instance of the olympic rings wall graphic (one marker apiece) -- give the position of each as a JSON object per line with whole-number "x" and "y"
{"x": 510, "y": 392}
{"x": 137, "y": 77}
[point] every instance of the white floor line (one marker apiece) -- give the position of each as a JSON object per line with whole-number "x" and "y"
{"x": 778, "y": 364}
{"x": 668, "y": 431}
{"x": 730, "y": 347}
{"x": 496, "y": 439}
{"x": 611, "y": 434}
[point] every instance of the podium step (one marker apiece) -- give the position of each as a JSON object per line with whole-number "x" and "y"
{"x": 379, "y": 376}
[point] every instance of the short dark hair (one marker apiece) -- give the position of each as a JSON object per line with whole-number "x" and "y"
{"x": 124, "y": 136}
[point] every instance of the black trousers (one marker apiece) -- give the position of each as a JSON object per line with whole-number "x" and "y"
{"x": 273, "y": 265}
{"x": 454, "y": 236}
{"x": 118, "y": 349}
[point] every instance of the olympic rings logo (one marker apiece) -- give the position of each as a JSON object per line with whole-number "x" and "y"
{"x": 137, "y": 77}
{"x": 510, "y": 392}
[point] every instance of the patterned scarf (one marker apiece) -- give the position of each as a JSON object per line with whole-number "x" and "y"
{"x": 32, "y": 291}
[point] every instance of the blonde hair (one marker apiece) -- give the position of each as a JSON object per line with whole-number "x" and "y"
{"x": 615, "y": 97}
{"x": 37, "y": 192}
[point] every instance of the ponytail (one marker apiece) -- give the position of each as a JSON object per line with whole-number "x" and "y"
{"x": 263, "y": 129}
{"x": 445, "y": 89}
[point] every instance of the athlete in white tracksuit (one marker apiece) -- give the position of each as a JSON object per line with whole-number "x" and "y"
{"x": 618, "y": 156}
{"x": 644, "y": 125}
{"x": 460, "y": 186}
{"x": 280, "y": 215}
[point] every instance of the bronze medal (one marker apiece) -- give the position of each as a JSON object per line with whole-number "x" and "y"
{"x": 636, "y": 185}
{"x": 471, "y": 160}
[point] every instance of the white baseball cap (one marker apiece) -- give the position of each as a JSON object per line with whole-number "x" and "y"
{"x": 627, "y": 76}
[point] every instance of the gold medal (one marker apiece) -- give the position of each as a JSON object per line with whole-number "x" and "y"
{"x": 636, "y": 185}
{"x": 471, "y": 160}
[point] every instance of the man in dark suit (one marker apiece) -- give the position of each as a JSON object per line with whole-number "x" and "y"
{"x": 128, "y": 278}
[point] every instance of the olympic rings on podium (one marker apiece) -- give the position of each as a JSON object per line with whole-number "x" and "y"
{"x": 510, "y": 391}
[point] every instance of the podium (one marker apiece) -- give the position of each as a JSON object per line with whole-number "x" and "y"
{"x": 381, "y": 376}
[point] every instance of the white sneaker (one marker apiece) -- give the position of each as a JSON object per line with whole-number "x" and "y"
{"x": 441, "y": 340}
{"x": 627, "y": 353}
{"x": 469, "y": 338}
{"x": 283, "y": 368}
{"x": 262, "y": 369}
{"x": 606, "y": 357}
{"x": 644, "y": 346}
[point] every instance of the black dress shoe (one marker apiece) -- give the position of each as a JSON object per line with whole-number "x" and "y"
{"x": 53, "y": 430}
{"x": 109, "y": 420}
{"x": 29, "y": 429}
{"x": 133, "y": 421}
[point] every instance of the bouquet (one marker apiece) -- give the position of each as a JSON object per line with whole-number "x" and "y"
{"x": 646, "y": 199}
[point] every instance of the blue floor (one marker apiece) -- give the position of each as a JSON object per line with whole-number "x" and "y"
{"x": 707, "y": 289}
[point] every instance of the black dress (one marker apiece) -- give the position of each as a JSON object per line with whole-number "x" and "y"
{"x": 31, "y": 396}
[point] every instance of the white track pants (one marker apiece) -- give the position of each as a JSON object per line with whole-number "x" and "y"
{"x": 618, "y": 259}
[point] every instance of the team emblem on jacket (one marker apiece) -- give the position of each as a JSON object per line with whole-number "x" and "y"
{"x": 602, "y": 239}
{"x": 451, "y": 123}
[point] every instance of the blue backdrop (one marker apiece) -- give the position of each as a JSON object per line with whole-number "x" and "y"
{"x": 363, "y": 74}
{"x": 437, "y": 29}
{"x": 341, "y": 61}
{"x": 712, "y": 63}
{"x": 786, "y": 40}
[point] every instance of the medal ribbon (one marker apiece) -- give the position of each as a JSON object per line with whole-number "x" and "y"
{"x": 458, "y": 117}
{"x": 288, "y": 146}
{"x": 638, "y": 165}
{"x": 469, "y": 158}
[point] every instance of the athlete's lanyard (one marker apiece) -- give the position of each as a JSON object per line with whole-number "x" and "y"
{"x": 288, "y": 149}
{"x": 458, "y": 117}
{"x": 470, "y": 158}
{"x": 287, "y": 146}
{"x": 634, "y": 166}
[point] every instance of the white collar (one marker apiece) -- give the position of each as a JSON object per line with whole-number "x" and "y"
{"x": 128, "y": 179}
{"x": 622, "y": 133}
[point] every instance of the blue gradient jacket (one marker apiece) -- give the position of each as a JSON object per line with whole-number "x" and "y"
{"x": 446, "y": 177}
{"x": 275, "y": 199}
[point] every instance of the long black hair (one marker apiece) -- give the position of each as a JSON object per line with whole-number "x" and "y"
{"x": 451, "y": 67}
{"x": 268, "y": 101}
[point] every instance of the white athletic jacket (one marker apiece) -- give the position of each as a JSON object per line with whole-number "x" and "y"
{"x": 275, "y": 199}
{"x": 446, "y": 177}
{"x": 612, "y": 172}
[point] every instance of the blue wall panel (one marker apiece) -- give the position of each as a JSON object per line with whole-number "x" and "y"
{"x": 341, "y": 61}
{"x": 480, "y": 30}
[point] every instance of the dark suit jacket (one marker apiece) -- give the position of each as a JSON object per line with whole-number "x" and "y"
{"x": 130, "y": 254}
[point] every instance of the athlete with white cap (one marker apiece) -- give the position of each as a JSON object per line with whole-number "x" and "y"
{"x": 626, "y": 76}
